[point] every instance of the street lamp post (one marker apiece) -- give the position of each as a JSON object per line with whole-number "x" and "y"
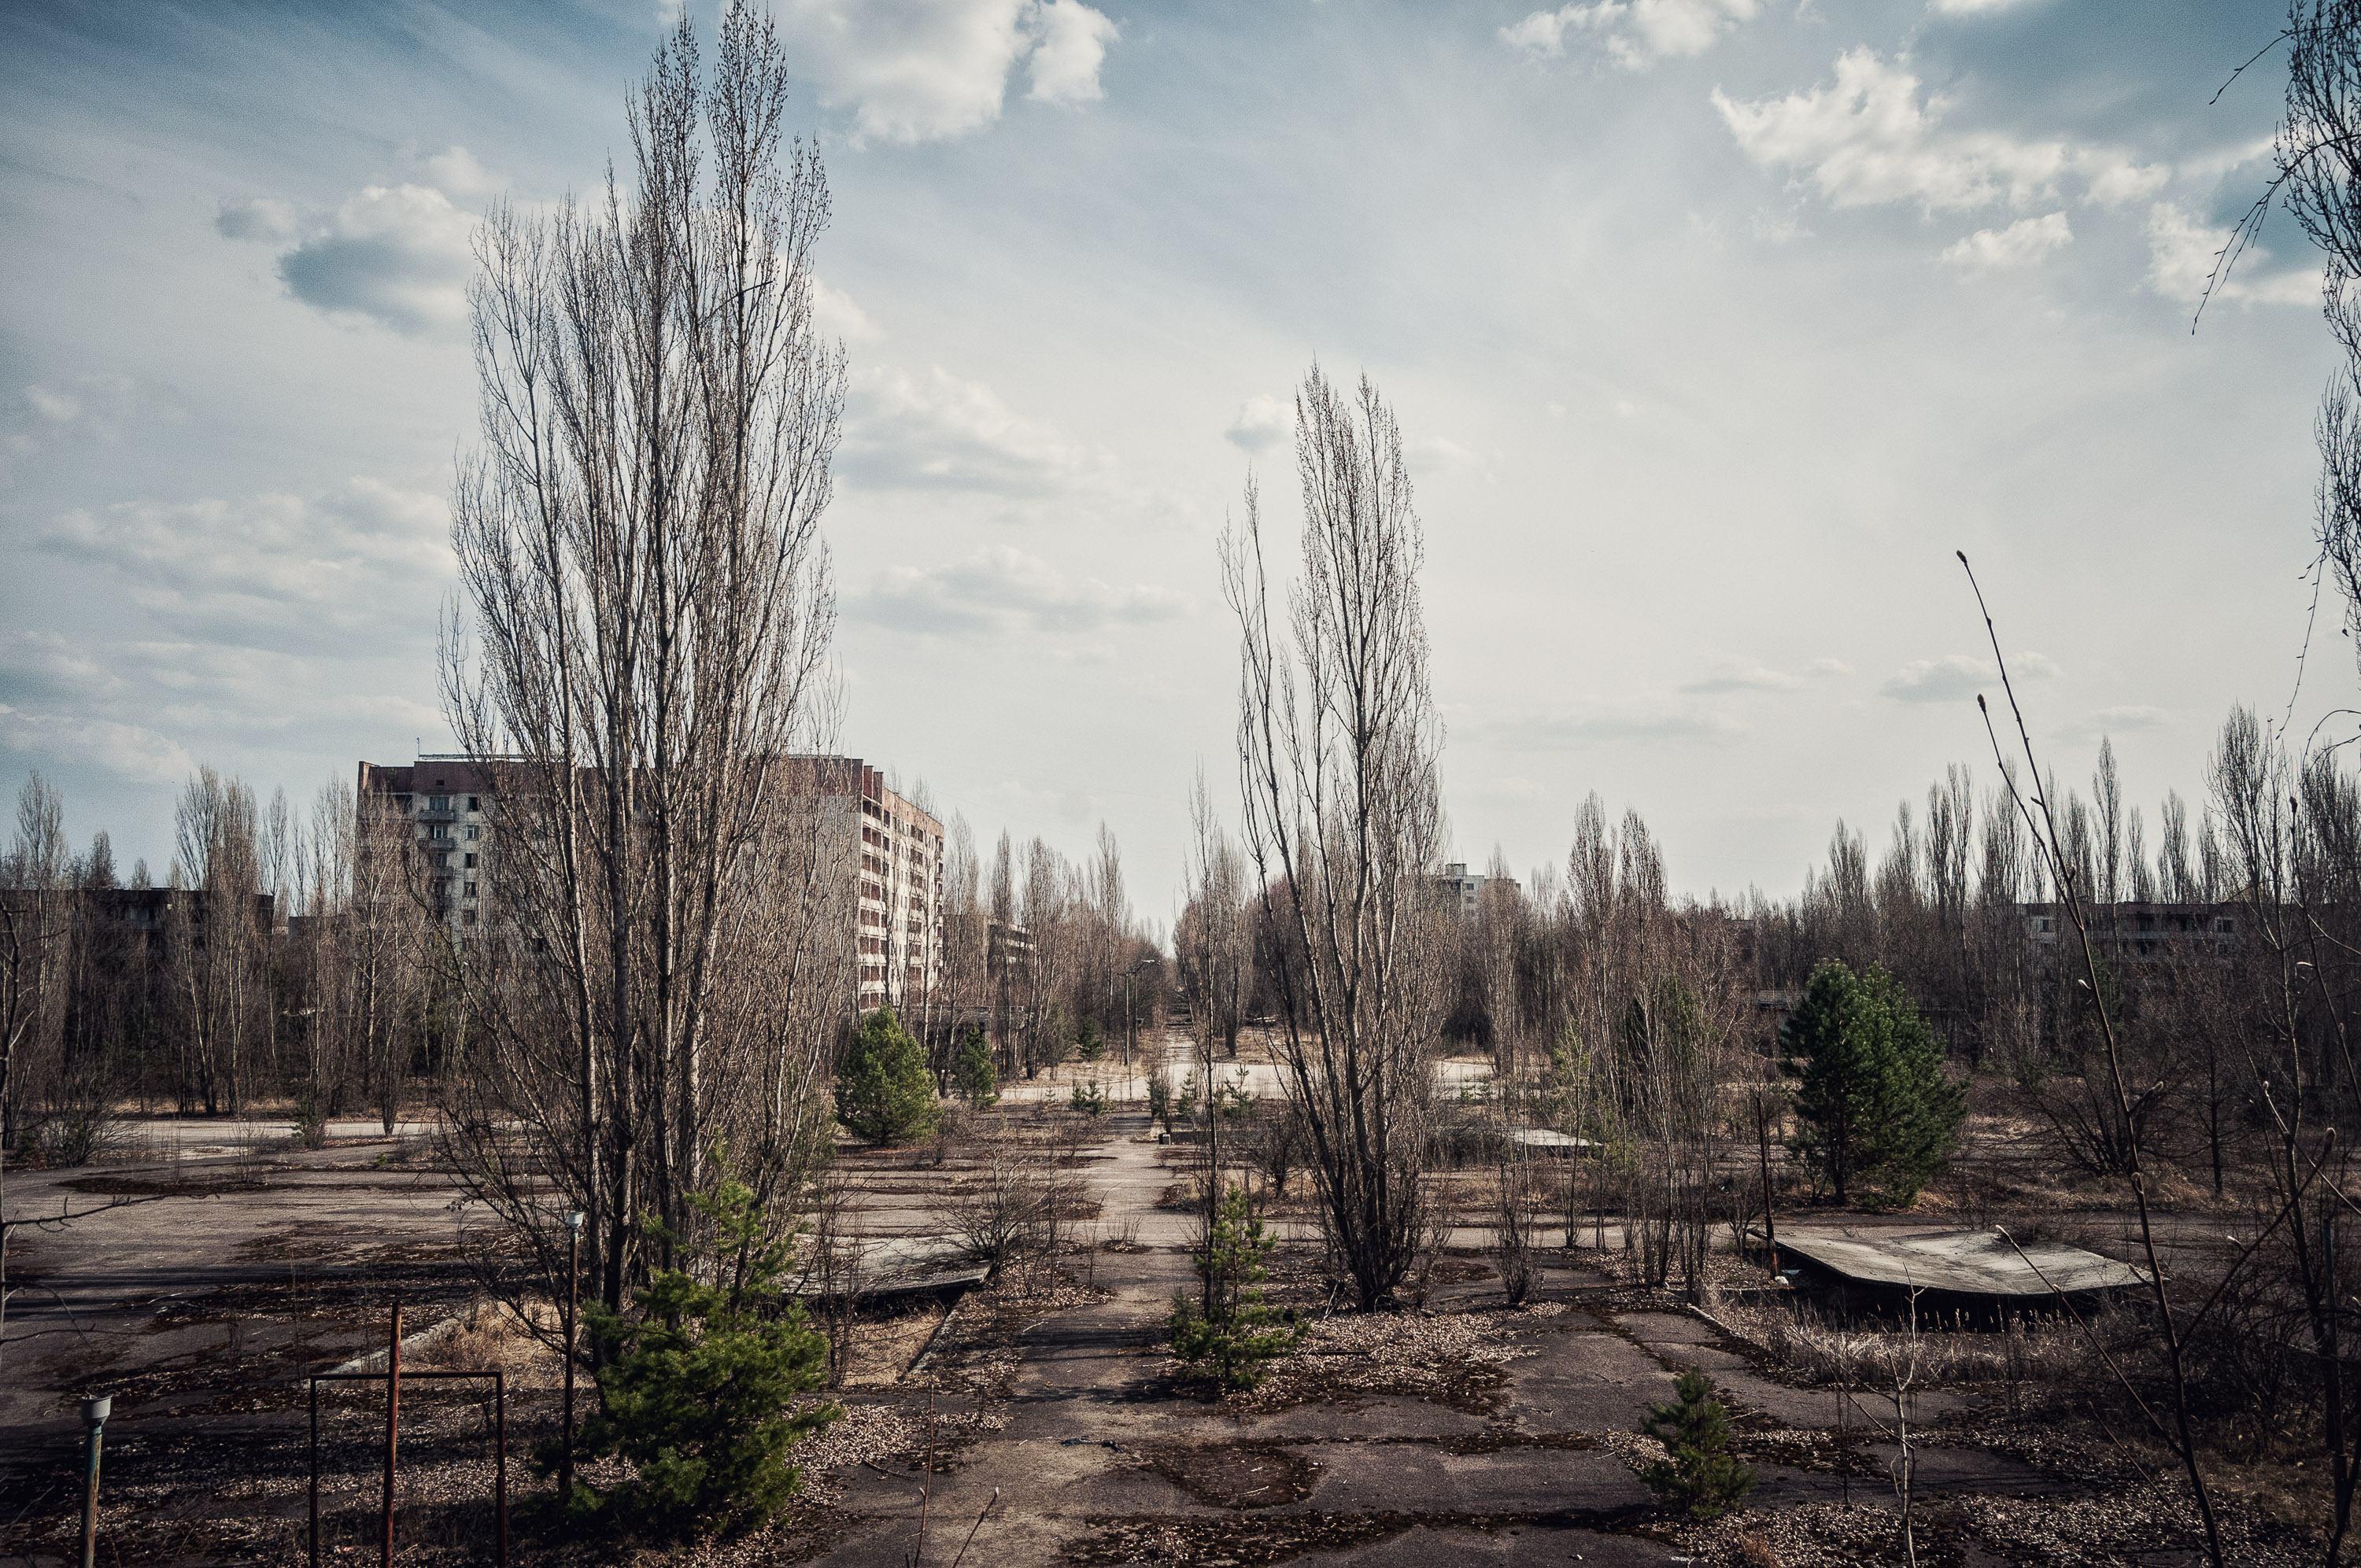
{"x": 95, "y": 1412}
{"x": 574, "y": 1220}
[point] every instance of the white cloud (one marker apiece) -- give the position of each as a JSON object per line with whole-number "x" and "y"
{"x": 914, "y": 71}
{"x": 1262, "y": 423}
{"x": 1742, "y": 674}
{"x": 397, "y": 255}
{"x": 264, "y": 218}
{"x": 42, "y": 665}
{"x": 455, "y": 172}
{"x": 2182, "y": 253}
{"x": 1827, "y": 667}
{"x": 2108, "y": 721}
{"x": 275, "y": 570}
{"x": 2022, "y": 244}
{"x": 937, "y": 431}
{"x": 1440, "y": 454}
{"x": 1549, "y": 729}
{"x": 1635, "y": 33}
{"x": 837, "y": 315}
{"x": 88, "y": 409}
{"x": 1005, "y": 589}
{"x": 1976, "y": 7}
{"x": 1868, "y": 138}
{"x": 57, "y": 408}
{"x": 1065, "y": 65}
{"x": 1956, "y": 677}
{"x": 127, "y": 751}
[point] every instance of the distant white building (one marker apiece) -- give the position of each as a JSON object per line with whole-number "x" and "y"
{"x": 1463, "y": 888}
{"x": 887, "y": 852}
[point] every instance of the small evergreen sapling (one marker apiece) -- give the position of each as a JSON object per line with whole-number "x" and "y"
{"x": 884, "y": 1092}
{"x": 1699, "y": 1476}
{"x": 974, "y": 1076}
{"x": 700, "y": 1382}
{"x": 1233, "y": 1335}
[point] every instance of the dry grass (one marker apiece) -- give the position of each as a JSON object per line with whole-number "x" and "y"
{"x": 2042, "y": 1351}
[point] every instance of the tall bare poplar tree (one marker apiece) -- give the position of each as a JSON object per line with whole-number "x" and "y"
{"x": 1337, "y": 747}
{"x": 648, "y": 612}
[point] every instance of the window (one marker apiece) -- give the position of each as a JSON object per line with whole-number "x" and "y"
{"x": 470, "y": 862}
{"x": 438, "y": 802}
{"x": 474, "y": 833}
{"x": 471, "y": 890}
{"x": 468, "y": 917}
{"x": 472, "y": 805}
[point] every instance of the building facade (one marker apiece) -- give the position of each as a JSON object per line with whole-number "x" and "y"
{"x": 895, "y": 846}
{"x": 884, "y": 853}
{"x": 441, "y": 797}
{"x": 1461, "y": 890}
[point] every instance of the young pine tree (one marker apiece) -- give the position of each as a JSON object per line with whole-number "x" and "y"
{"x": 974, "y": 1076}
{"x": 1698, "y": 1475}
{"x": 700, "y": 1386}
{"x": 1234, "y": 1334}
{"x": 1874, "y": 1102}
{"x": 884, "y": 1092}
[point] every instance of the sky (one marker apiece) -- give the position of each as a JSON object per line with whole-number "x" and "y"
{"x": 1714, "y": 328}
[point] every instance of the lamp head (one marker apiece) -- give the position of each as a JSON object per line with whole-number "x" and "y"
{"x": 574, "y": 1219}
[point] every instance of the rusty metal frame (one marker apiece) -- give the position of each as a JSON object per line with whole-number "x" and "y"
{"x": 499, "y": 1445}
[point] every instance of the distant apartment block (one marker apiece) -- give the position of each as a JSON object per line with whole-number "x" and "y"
{"x": 1462, "y": 889}
{"x": 886, "y": 852}
{"x": 2137, "y": 933}
{"x": 898, "y": 918}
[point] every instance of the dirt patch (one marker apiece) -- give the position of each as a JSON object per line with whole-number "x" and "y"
{"x": 1241, "y": 1539}
{"x": 135, "y": 1186}
{"x": 1235, "y": 1474}
{"x": 1455, "y": 1359}
{"x": 1459, "y": 1271}
{"x": 1499, "y": 1439}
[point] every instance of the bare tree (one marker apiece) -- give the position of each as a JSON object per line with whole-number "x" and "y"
{"x": 643, "y": 653}
{"x": 34, "y": 925}
{"x": 218, "y": 940}
{"x": 1337, "y": 743}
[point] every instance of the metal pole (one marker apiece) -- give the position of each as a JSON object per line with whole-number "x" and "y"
{"x": 501, "y": 1460}
{"x": 95, "y": 1412}
{"x": 392, "y": 1425}
{"x": 314, "y": 1553}
{"x": 574, "y": 1221}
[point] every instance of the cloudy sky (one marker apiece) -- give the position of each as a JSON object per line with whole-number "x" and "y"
{"x": 1715, "y": 325}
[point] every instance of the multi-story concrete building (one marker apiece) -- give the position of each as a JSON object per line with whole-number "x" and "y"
{"x": 443, "y": 798}
{"x": 1461, "y": 888}
{"x": 887, "y": 853}
{"x": 2137, "y": 933}
{"x": 898, "y": 848}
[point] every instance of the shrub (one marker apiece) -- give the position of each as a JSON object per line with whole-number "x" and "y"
{"x": 973, "y": 1076}
{"x": 1089, "y": 1099}
{"x": 699, "y": 1383}
{"x": 66, "y": 1139}
{"x": 1004, "y": 1209}
{"x": 1089, "y": 1044}
{"x": 1233, "y": 1335}
{"x": 884, "y": 1092}
{"x": 1699, "y": 1476}
{"x": 311, "y": 1123}
{"x": 1279, "y": 1145}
